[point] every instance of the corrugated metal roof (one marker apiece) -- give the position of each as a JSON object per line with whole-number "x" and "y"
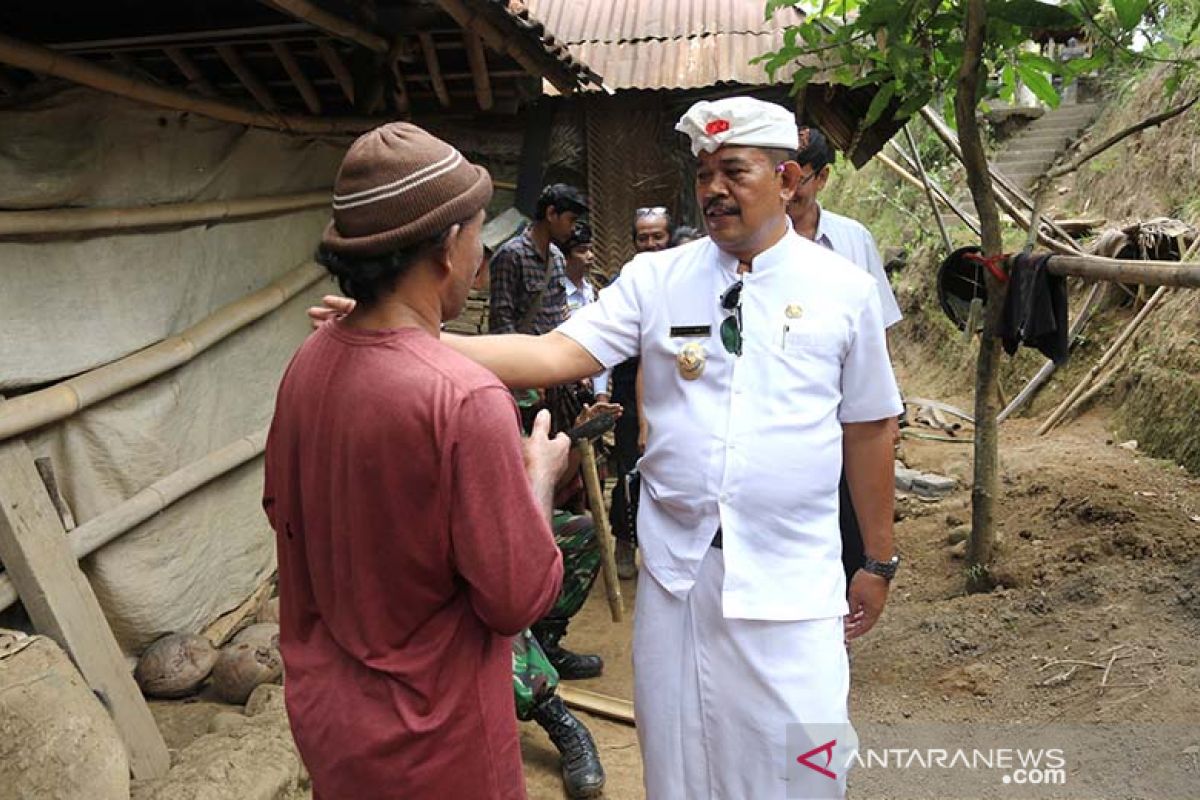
{"x": 578, "y": 21}
{"x": 666, "y": 44}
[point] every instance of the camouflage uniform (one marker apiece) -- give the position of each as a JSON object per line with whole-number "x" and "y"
{"x": 534, "y": 677}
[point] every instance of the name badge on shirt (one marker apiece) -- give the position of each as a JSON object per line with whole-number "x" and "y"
{"x": 691, "y": 330}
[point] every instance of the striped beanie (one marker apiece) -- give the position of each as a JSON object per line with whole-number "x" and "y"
{"x": 399, "y": 185}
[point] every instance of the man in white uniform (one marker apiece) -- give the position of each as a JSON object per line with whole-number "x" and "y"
{"x": 764, "y": 361}
{"x": 848, "y": 238}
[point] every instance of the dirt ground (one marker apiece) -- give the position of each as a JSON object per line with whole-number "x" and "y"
{"x": 1099, "y": 549}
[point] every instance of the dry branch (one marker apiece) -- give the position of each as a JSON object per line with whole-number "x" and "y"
{"x": 33, "y": 410}
{"x": 44, "y": 61}
{"x": 54, "y": 221}
{"x": 1148, "y": 122}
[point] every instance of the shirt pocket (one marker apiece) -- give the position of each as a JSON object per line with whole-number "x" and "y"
{"x": 810, "y": 341}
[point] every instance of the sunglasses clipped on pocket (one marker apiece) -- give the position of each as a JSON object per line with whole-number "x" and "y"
{"x": 731, "y": 327}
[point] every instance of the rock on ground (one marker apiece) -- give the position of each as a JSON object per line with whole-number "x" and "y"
{"x": 56, "y": 740}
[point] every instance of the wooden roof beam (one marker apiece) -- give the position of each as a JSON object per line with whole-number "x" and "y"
{"x": 244, "y": 74}
{"x": 330, "y": 23}
{"x": 477, "y": 58}
{"x": 303, "y": 85}
{"x": 190, "y": 71}
{"x": 337, "y": 67}
{"x": 43, "y": 61}
{"x": 435, "y": 69}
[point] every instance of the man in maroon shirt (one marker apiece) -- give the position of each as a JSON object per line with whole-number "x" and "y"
{"x": 412, "y": 531}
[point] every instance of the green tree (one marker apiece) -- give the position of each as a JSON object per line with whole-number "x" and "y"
{"x": 920, "y": 51}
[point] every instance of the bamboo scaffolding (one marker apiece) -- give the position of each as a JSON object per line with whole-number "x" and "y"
{"x": 925, "y": 182}
{"x": 337, "y": 68}
{"x": 33, "y": 410}
{"x": 254, "y": 85}
{"x": 190, "y": 71}
{"x": 54, "y": 221}
{"x": 44, "y": 61}
{"x": 291, "y": 66}
{"x": 1147, "y": 273}
{"x": 435, "y": 68}
{"x": 477, "y": 59}
{"x": 330, "y": 23}
{"x": 125, "y": 516}
{"x": 914, "y": 181}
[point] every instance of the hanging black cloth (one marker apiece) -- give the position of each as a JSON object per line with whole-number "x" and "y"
{"x": 1035, "y": 309}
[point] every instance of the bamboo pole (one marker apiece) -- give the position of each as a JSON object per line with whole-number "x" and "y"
{"x": 190, "y": 71}
{"x": 330, "y": 23}
{"x": 601, "y": 705}
{"x": 337, "y": 68}
{"x": 1090, "y": 305}
{"x": 477, "y": 59}
{"x": 87, "y": 220}
{"x": 604, "y": 537}
{"x": 1108, "y": 356}
{"x": 125, "y": 516}
{"x": 33, "y": 410}
{"x": 435, "y": 68}
{"x": 1147, "y": 273}
{"x": 472, "y": 20}
{"x": 41, "y": 60}
{"x": 252, "y": 83}
{"x": 915, "y": 182}
{"x": 291, "y": 66}
{"x": 933, "y": 206}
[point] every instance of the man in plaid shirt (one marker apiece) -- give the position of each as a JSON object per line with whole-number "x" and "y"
{"x": 527, "y": 293}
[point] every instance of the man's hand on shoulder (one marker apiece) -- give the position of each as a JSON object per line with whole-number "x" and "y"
{"x": 333, "y": 306}
{"x": 867, "y": 596}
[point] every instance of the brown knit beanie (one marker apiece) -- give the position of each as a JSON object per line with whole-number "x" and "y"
{"x": 398, "y": 186}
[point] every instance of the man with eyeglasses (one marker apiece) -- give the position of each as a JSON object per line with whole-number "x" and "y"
{"x": 765, "y": 365}
{"x": 848, "y": 238}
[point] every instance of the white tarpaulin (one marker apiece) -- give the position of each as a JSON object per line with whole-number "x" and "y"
{"x": 71, "y": 304}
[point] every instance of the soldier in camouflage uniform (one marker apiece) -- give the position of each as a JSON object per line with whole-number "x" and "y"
{"x": 535, "y": 678}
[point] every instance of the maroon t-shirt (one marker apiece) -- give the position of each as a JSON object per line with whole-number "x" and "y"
{"x": 410, "y": 549}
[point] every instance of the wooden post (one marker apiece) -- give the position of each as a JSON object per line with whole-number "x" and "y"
{"x": 601, "y": 705}
{"x": 435, "y": 68}
{"x": 933, "y": 206}
{"x": 477, "y": 58}
{"x": 190, "y": 71}
{"x": 604, "y": 537}
{"x": 59, "y": 600}
{"x": 256, "y": 87}
{"x": 303, "y": 85}
{"x": 337, "y": 67}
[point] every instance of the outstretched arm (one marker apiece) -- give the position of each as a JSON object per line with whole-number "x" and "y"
{"x": 528, "y": 362}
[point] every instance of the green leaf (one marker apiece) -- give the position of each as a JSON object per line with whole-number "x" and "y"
{"x": 1038, "y": 83}
{"x": 1008, "y": 78}
{"x": 1039, "y": 62}
{"x": 913, "y": 103}
{"x": 879, "y": 104}
{"x": 1129, "y": 12}
{"x": 775, "y": 5}
{"x": 1028, "y": 14}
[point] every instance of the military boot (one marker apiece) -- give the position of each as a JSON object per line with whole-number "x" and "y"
{"x": 570, "y": 666}
{"x": 583, "y": 776}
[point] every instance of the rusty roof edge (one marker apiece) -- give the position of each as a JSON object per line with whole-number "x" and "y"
{"x": 551, "y": 51}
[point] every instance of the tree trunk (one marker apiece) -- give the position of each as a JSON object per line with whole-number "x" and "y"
{"x": 983, "y": 492}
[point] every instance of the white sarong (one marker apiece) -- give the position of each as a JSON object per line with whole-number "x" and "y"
{"x": 714, "y": 696}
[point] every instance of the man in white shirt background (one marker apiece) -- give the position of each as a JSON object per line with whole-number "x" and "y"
{"x": 850, "y": 239}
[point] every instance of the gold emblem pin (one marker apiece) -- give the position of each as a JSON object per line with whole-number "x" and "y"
{"x": 691, "y": 360}
{"x": 793, "y": 311}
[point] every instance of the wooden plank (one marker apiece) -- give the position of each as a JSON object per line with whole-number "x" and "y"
{"x": 256, "y": 87}
{"x": 337, "y": 67}
{"x": 435, "y": 69}
{"x": 477, "y": 58}
{"x": 59, "y": 600}
{"x": 303, "y": 85}
{"x": 596, "y": 703}
{"x": 330, "y": 23}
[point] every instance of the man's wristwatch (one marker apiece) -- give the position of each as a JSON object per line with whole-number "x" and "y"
{"x": 884, "y": 569}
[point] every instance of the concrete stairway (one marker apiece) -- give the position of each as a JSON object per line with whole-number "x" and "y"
{"x": 1032, "y": 151}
